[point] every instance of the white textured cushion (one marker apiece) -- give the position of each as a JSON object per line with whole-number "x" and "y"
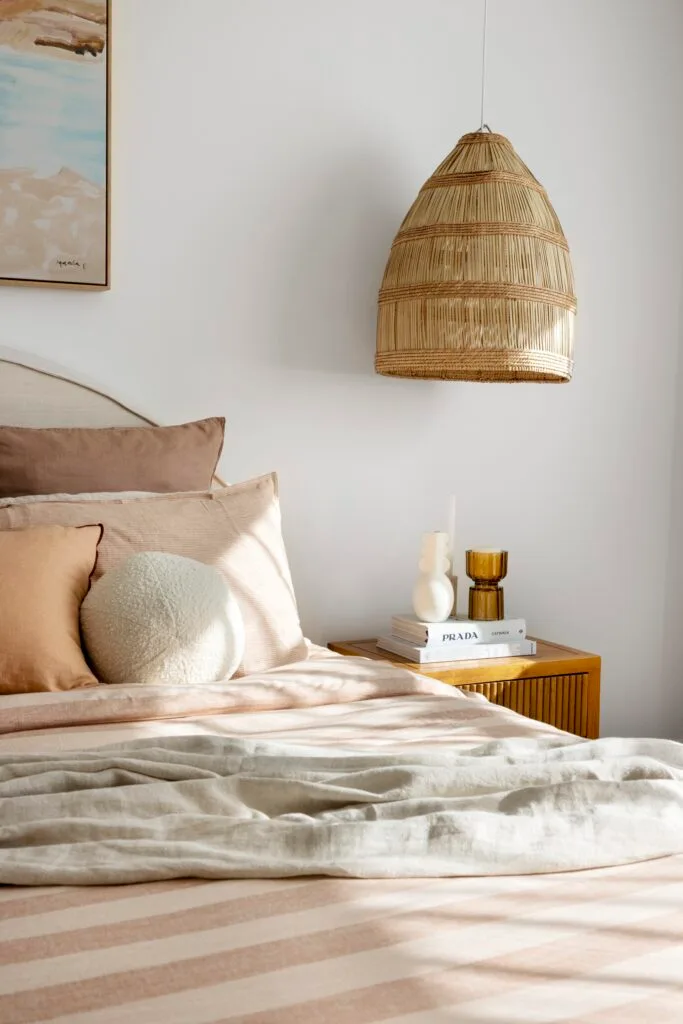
{"x": 160, "y": 618}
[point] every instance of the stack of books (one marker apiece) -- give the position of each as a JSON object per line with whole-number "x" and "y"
{"x": 456, "y": 639}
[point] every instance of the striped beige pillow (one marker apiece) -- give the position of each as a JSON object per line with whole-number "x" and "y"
{"x": 237, "y": 529}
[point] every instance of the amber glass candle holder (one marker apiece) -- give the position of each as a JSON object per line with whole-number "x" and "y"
{"x": 486, "y": 568}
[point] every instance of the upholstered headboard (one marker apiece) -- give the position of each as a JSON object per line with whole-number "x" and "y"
{"x": 36, "y": 393}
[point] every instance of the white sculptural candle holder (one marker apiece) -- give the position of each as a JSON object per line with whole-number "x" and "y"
{"x": 433, "y": 592}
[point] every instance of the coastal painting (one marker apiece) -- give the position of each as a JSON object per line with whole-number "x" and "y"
{"x": 54, "y": 142}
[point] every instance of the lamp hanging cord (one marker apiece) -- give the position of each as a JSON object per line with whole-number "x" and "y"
{"x": 483, "y": 66}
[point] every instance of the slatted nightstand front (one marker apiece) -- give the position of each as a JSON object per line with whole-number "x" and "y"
{"x": 558, "y": 685}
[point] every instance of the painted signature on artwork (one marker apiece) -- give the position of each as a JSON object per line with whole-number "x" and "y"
{"x": 70, "y": 264}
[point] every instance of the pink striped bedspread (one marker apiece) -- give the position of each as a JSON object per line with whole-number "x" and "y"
{"x": 593, "y": 947}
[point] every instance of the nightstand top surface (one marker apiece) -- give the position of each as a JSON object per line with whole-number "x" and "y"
{"x": 552, "y": 657}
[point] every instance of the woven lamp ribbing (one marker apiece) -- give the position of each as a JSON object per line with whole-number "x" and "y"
{"x": 479, "y": 283}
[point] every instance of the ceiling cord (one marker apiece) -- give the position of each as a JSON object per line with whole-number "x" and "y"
{"x": 483, "y": 67}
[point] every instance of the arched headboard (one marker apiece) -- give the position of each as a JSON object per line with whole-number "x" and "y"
{"x": 36, "y": 393}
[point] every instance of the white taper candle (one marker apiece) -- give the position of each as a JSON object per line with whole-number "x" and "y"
{"x": 451, "y": 531}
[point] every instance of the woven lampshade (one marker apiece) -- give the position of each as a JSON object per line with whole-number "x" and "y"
{"x": 479, "y": 283}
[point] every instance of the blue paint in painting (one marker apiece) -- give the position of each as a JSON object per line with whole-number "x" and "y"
{"x": 53, "y": 114}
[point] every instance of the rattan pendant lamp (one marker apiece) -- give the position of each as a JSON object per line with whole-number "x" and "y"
{"x": 479, "y": 283}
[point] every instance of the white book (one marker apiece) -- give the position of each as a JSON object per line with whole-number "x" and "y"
{"x": 457, "y": 631}
{"x": 463, "y": 652}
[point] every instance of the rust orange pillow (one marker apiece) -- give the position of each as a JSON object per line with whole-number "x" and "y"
{"x": 44, "y": 576}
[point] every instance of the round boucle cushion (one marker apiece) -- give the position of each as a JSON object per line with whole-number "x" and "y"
{"x": 161, "y": 618}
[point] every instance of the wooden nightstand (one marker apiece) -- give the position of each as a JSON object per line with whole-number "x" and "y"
{"x": 559, "y": 685}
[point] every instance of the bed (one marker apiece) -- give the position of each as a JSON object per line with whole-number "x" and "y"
{"x": 601, "y": 946}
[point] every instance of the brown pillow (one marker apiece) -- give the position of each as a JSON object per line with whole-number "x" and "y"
{"x": 44, "y": 576}
{"x": 71, "y": 460}
{"x": 237, "y": 529}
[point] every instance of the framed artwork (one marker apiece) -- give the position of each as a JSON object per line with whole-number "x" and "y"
{"x": 54, "y": 142}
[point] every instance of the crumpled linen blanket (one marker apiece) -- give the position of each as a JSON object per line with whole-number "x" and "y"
{"x": 215, "y": 807}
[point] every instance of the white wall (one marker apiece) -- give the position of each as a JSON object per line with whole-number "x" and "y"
{"x": 265, "y": 153}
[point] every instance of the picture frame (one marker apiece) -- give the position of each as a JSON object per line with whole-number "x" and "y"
{"x": 55, "y": 157}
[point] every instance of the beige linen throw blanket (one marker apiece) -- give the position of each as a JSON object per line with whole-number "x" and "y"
{"x": 214, "y": 807}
